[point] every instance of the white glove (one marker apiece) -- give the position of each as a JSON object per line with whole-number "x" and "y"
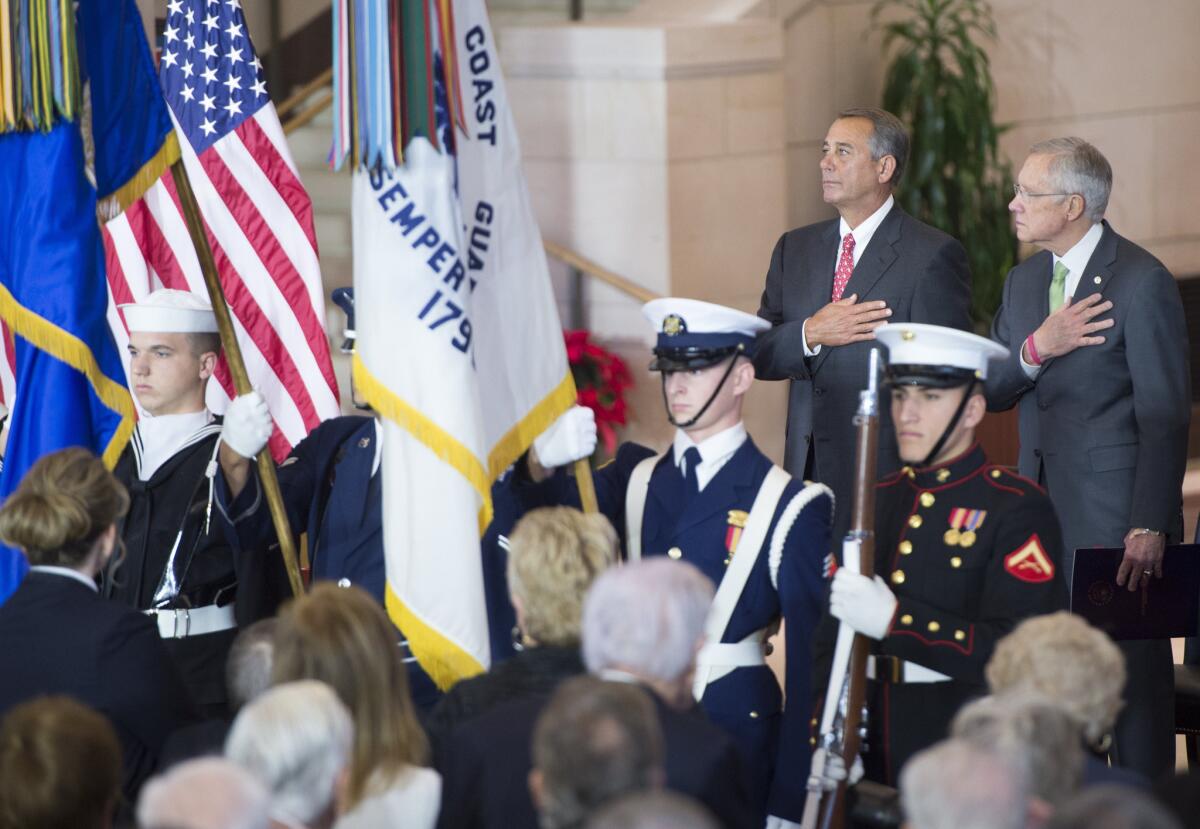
{"x": 867, "y": 605}
{"x": 247, "y": 426}
{"x": 833, "y": 770}
{"x": 781, "y": 823}
{"x": 571, "y": 437}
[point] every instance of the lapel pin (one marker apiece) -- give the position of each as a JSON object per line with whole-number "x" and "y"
{"x": 363, "y": 443}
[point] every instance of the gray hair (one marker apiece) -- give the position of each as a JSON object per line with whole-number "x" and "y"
{"x": 1033, "y": 730}
{"x": 248, "y": 668}
{"x": 654, "y": 810}
{"x": 958, "y": 785}
{"x": 888, "y": 137}
{"x": 594, "y": 742}
{"x": 1078, "y": 167}
{"x": 209, "y": 793}
{"x": 646, "y": 617}
{"x": 296, "y": 737}
{"x": 1113, "y": 806}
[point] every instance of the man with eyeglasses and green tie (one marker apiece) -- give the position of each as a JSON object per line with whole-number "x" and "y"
{"x": 1099, "y": 369}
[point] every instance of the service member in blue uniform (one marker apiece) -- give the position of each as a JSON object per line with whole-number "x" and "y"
{"x": 716, "y": 501}
{"x": 965, "y": 549}
{"x": 332, "y": 489}
{"x": 178, "y": 566}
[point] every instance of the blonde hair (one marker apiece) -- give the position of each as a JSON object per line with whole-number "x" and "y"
{"x": 342, "y": 637}
{"x": 555, "y": 554}
{"x": 1064, "y": 658}
{"x": 64, "y": 503}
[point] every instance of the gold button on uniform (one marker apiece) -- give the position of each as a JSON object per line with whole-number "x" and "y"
{"x": 956, "y": 562}
{"x": 905, "y": 547}
{"x": 959, "y": 635}
{"x": 906, "y": 619}
{"x": 943, "y": 475}
{"x": 898, "y": 577}
{"x": 934, "y": 627}
{"x": 914, "y": 521}
{"x": 674, "y": 552}
{"x": 995, "y": 473}
{"x": 927, "y": 499}
{"x": 754, "y": 715}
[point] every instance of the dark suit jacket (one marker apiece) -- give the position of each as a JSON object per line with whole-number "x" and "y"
{"x": 59, "y": 637}
{"x": 920, "y": 272}
{"x": 485, "y": 773}
{"x": 1105, "y": 427}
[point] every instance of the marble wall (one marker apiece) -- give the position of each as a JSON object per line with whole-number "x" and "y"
{"x": 674, "y": 144}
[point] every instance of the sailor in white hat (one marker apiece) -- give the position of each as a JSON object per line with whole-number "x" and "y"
{"x": 964, "y": 549}
{"x": 713, "y": 499}
{"x": 178, "y": 566}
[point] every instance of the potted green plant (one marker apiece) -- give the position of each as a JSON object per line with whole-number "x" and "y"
{"x": 939, "y": 82}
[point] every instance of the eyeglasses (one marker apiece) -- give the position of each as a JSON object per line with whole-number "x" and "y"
{"x": 1021, "y": 193}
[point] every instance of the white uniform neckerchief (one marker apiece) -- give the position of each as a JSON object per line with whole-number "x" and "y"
{"x": 157, "y": 439}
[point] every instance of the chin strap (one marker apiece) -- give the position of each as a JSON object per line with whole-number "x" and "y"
{"x": 704, "y": 408}
{"x": 937, "y": 447}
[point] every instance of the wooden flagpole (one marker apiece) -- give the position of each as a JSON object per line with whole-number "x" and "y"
{"x": 237, "y": 367}
{"x": 587, "y": 490}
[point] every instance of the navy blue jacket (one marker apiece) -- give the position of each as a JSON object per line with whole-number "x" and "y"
{"x": 747, "y": 702}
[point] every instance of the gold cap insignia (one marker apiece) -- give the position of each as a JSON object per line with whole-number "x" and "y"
{"x": 673, "y": 324}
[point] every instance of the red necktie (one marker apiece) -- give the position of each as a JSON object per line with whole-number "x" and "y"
{"x": 845, "y": 267}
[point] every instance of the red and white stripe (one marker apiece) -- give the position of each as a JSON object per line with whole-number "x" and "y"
{"x": 260, "y": 227}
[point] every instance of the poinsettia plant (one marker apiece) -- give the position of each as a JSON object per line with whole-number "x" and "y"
{"x": 601, "y": 378}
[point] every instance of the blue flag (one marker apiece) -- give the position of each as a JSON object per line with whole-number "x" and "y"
{"x": 70, "y": 384}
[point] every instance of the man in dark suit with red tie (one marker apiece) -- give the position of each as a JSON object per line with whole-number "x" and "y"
{"x": 831, "y": 284}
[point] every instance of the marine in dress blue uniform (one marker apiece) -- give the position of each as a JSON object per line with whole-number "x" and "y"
{"x": 965, "y": 550}
{"x": 699, "y": 498}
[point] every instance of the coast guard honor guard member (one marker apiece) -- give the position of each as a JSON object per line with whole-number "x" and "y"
{"x": 178, "y": 566}
{"x": 964, "y": 549}
{"x": 716, "y": 501}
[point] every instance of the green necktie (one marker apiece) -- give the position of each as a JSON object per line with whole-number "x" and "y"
{"x": 1058, "y": 286}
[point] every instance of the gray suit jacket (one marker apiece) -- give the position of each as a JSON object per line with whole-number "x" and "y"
{"x": 920, "y": 272}
{"x": 1105, "y": 427}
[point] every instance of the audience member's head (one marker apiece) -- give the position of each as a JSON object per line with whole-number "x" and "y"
{"x": 1113, "y": 807}
{"x": 60, "y": 766}
{"x": 653, "y": 810}
{"x": 209, "y": 793}
{"x": 248, "y": 667}
{"x": 1035, "y": 731}
{"x": 1062, "y": 657}
{"x": 64, "y": 512}
{"x": 594, "y": 742}
{"x": 296, "y": 739}
{"x": 342, "y": 637}
{"x": 555, "y": 553}
{"x": 647, "y": 619}
{"x": 956, "y": 784}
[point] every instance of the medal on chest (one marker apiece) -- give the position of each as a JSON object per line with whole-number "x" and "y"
{"x": 736, "y": 522}
{"x": 964, "y": 524}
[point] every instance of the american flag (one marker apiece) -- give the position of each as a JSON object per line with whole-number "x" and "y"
{"x": 257, "y": 214}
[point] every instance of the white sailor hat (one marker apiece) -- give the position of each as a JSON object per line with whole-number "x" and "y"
{"x": 933, "y": 355}
{"x": 694, "y": 334}
{"x": 168, "y": 311}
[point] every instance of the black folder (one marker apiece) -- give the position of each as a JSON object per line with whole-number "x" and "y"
{"x": 1166, "y": 608}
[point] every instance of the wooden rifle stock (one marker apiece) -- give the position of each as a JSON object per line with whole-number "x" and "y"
{"x": 850, "y": 696}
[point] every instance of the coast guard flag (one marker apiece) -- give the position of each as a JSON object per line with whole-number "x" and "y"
{"x": 459, "y": 342}
{"x": 257, "y": 214}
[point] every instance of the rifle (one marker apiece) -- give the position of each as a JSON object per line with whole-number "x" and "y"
{"x": 844, "y": 712}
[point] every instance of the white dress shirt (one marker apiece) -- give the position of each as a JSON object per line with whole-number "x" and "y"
{"x": 862, "y": 237}
{"x": 1076, "y": 260}
{"x": 715, "y": 451}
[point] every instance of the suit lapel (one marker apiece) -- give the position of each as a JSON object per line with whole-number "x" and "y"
{"x": 724, "y": 492}
{"x": 872, "y": 265}
{"x": 1098, "y": 270}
